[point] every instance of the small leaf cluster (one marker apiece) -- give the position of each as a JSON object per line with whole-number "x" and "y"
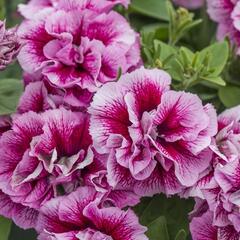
{"x": 186, "y": 67}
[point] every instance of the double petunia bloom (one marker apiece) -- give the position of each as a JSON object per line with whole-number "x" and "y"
{"x": 157, "y": 139}
{"x": 74, "y": 45}
{"x": 95, "y": 131}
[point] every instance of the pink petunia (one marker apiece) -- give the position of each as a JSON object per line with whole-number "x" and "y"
{"x": 45, "y": 155}
{"x": 157, "y": 139}
{"x": 222, "y": 194}
{"x": 203, "y": 228}
{"x": 38, "y": 98}
{"x": 226, "y": 152}
{"x": 41, "y": 95}
{"x": 24, "y": 217}
{"x": 227, "y": 141}
{"x": 226, "y": 14}
{"x": 96, "y": 175}
{"x": 50, "y": 154}
{"x": 76, "y": 51}
{"x": 221, "y": 182}
{"x": 78, "y": 216}
{"x": 35, "y": 8}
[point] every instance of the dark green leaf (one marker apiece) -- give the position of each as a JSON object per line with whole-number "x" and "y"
{"x": 18, "y": 233}
{"x": 5, "y": 227}
{"x": 159, "y": 30}
{"x": 230, "y": 96}
{"x": 151, "y": 8}
{"x": 138, "y": 21}
{"x": 174, "y": 209}
{"x": 218, "y": 54}
{"x": 157, "y": 230}
{"x": 10, "y": 91}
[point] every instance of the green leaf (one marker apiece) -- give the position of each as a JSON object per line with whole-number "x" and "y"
{"x": 181, "y": 235}
{"x": 229, "y": 96}
{"x": 157, "y": 230}
{"x": 25, "y": 234}
{"x": 186, "y": 56}
{"x": 174, "y": 209}
{"x": 216, "y": 80}
{"x": 10, "y": 92}
{"x": 151, "y": 8}
{"x": 166, "y": 50}
{"x": 160, "y": 30}
{"x": 2, "y": 9}
{"x": 189, "y": 26}
{"x": 12, "y": 71}
{"x": 5, "y": 227}
{"x": 11, "y": 11}
{"x": 218, "y": 54}
{"x": 188, "y": 52}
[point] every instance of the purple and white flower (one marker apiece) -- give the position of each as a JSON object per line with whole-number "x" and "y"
{"x": 157, "y": 139}
{"x": 79, "y": 216}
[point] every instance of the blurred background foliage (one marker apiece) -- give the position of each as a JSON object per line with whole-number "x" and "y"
{"x": 218, "y": 82}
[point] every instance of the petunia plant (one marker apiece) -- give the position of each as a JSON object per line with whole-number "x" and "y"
{"x": 119, "y": 120}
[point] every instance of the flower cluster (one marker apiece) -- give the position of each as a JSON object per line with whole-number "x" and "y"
{"x": 219, "y": 186}
{"x": 85, "y": 144}
{"x": 226, "y": 14}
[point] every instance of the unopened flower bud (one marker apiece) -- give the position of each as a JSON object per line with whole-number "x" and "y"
{"x": 9, "y": 45}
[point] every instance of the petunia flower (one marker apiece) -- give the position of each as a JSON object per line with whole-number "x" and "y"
{"x": 41, "y": 95}
{"x": 45, "y": 155}
{"x": 226, "y": 14}
{"x": 203, "y": 228}
{"x": 227, "y": 142}
{"x": 157, "y": 139}
{"x": 222, "y": 194}
{"x": 77, "y": 49}
{"x": 34, "y": 8}
{"x": 78, "y": 216}
{"x": 23, "y": 216}
{"x": 220, "y": 184}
